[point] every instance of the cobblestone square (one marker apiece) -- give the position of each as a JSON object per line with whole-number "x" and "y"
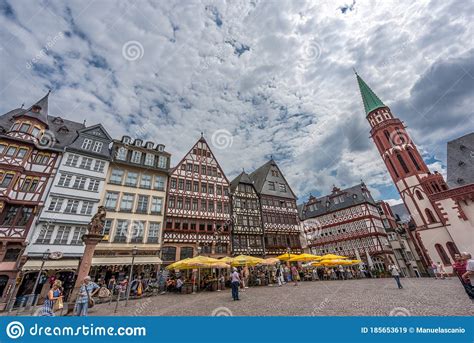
{"x": 365, "y": 297}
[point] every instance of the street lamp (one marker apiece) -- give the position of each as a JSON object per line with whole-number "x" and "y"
{"x": 134, "y": 253}
{"x": 44, "y": 258}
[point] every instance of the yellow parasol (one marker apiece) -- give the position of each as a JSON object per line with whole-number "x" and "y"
{"x": 197, "y": 263}
{"x": 304, "y": 258}
{"x": 176, "y": 264}
{"x": 332, "y": 257}
{"x": 269, "y": 261}
{"x": 226, "y": 259}
{"x": 286, "y": 256}
{"x": 220, "y": 265}
{"x": 244, "y": 260}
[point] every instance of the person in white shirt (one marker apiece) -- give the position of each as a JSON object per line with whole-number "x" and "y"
{"x": 396, "y": 274}
{"x": 179, "y": 285}
{"x": 441, "y": 271}
{"x": 235, "y": 282}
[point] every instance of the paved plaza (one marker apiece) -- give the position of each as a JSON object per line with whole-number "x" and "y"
{"x": 366, "y": 297}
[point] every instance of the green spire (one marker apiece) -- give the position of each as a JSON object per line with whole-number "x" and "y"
{"x": 371, "y": 101}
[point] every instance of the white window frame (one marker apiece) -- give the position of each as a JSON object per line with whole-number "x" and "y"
{"x": 86, "y": 144}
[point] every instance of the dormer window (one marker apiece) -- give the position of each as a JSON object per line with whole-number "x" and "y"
{"x": 138, "y": 142}
{"x": 149, "y": 145}
{"x": 87, "y": 144}
{"x": 63, "y": 129}
{"x": 35, "y": 109}
{"x": 25, "y": 127}
{"x": 58, "y": 120}
{"x": 126, "y": 140}
{"x": 97, "y": 146}
{"x": 35, "y": 132}
{"x": 15, "y": 127}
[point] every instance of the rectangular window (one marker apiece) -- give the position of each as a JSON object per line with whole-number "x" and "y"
{"x": 271, "y": 185}
{"x": 79, "y": 231}
{"x": 210, "y": 189}
{"x": 93, "y": 185}
{"x": 87, "y": 144}
{"x": 181, "y": 184}
{"x": 99, "y": 166}
{"x": 87, "y": 207}
{"x": 203, "y": 170}
{"x": 159, "y": 183}
{"x": 121, "y": 232}
{"x": 145, "y": 181}
{"x": 65, "y": 180}
{"x": 72, "y": 160}
{"x": 142, "y": 204}
{"x": 62, "y": 235}
{"x": 189, "y": 167}
{"x": 282, "y": 187}
{"x": 86, "y": 163}
{"x": 188, "y": 185}
{"x": 156, "y": 204}
{"x": 79, "y": 182}
{"x": 111, "y": 200}
{"x": 6, "y": 180}
{"x": 173, "y": 183}
{"x": 11, "y": 151}
{"x": 195, "y": 186}
{"x": 21, "y": 153}
{"x": 171, "y": 202}
{"x": 131, "y": 179}
{"x": 149, "y": 159}
{"x": 218, "y": 190}
{"x": 97, "y": 146}
{"x": 179, "y": 203}
{"x": 107, "y": 227}
{"x": 203, "y": 187}
{"x": 71, "y": 206}
{"x": 45, "y": 234}
{"x": 187, "y": 204}
{"x": 121, "y": 154}
{"x": 162, "y": 162}
{"x": 138, "y": 230}
{"x": 116, "y": 176}
{"x": 195, "y": 205}
{"x": 56, "y": 204}
{"x": 154, "y": 232}
{"x": 136, "y": 157}
{"x": 126, "y": 204}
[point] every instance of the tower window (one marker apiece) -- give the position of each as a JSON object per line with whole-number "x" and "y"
{"x": 430, "y": 216}
{"x": 387, "y": 135}
{"x": 414, "y": 160}
{"x": 380, "y": 143}
{"x": 419, "y": 195}
{"x": 402, "y": 163}
{"x": 393, "y": 168}
{"x": 442, "y": 254}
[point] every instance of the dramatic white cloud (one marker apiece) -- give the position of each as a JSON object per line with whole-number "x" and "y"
{"x": 277, "y": 75}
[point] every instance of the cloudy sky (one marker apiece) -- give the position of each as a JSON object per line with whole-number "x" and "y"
{"x": 259, "y": 78}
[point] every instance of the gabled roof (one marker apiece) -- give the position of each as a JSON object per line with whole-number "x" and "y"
{"x": 352, "y": 196}
{"x": 97, "y": 126}
{"x": 56, "y": 126}
{"x": 260, "y": 175}
{"x": 38, "y": 111}
{"x": 243, "y": 177}
{"x": 369, "y": 98}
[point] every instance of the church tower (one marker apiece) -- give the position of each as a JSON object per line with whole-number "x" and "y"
{"x": 414, "y": 181}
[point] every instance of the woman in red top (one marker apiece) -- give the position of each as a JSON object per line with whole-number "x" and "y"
{"x": 459, "y": 268}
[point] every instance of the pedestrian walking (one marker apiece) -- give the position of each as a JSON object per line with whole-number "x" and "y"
{"x": 55, "y": 294}
{"x": 235, "y": 282}
{"x": 396, "y": 274}
{"x": 434, "y": 267}
{"x": 84, "y": 299}
{"x": 294, "y": 275}
{"x": 441, "y": 271}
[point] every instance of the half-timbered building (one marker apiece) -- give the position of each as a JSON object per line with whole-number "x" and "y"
{"x": 278, "y": 210}
{"x": 247, "y": 228}
{"x": 198, "y": 209}
{"x": 30, "y": 147}
{"x": 347, "y": 222}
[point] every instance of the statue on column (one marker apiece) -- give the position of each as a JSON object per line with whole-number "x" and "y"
{"x": 97, "y": 222}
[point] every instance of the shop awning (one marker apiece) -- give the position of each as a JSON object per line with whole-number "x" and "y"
{"x": 62, "y": 264}
{"x": 125, "y": 260}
